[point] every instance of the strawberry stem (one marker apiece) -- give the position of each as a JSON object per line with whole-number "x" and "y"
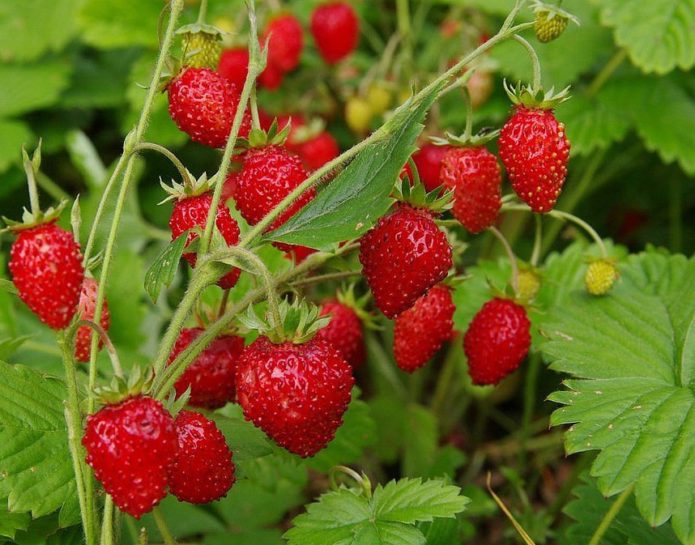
{"x": 185, "y": 176}
{"x": 162, "y": 527}
{"x": 31, "y": 184}
{"x": 534, "y": 61}
{"x": 362, "y": 480}
{"x": 113, "y": 355}
{"x": 512, "y": 258}
{"x": 107, "y": 522}
{"x": 610, "y": 515}
{"x": 469, "y": 114}
{"x": 537, "y": 240}
{"x": 202, "y": 12}
{"x": 255, "y": 119}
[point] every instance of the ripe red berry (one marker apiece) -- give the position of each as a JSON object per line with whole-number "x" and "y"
{"x": 402, "y": 257}
{"x": 420, "y": 331}
{"x": 296, "y": 393}
{"x": 474, "y": 174}
{"x": 85, "y": 311}
{"x": 234, "y": 65}
{"x": 192, "y": 212}
{"x": 46, "y": 267}
{"x": 428, "y": 160}
{"x": 211, "y": 375}
{"x": 294, "y": 252}
{"x": 130, "y": 445}
{"x": 203, "y": 470}
{"x": 268, "y": 174}
{"x": 535, "y": 151}
{"x": 344, "y": 332}
{"x": 497, "y": 341}
{"x": 203, "y": 104}
{"x": 285, "y": 42}
{"x": 316, "y": 151}
{"x": 336, "y": 30}
{"x": 271, "y": 78}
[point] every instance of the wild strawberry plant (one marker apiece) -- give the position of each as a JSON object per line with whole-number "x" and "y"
{"x": 333, "y": 337}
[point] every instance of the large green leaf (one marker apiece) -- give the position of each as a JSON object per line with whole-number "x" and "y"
{"x": 35, "y": 467}
{"x": 119, "y": 23}
{"x": 631, "y": 397}
{"x": 27, "y": 87}
{"x": 11, "y": 522}
{"x": 657, "y": 34}
{"x": 13, "y": 135}
{"x": 359, "y": 195}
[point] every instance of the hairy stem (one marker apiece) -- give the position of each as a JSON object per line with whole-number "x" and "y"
{"x": 537, "y": 241}
{"x": 610, "y": 515}
{"x": 510, "y": 255}
{"x": 185, "y": 176}
{"x": 162, "y": 527}
{"x": 606, "y": 72}
{"x": 107, "y": 522}
{"x": 534, "y": 61}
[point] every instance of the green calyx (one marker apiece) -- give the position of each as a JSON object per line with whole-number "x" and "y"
{"x": 258, "y": 138}
{"x": 299, "y": 322}
{"x": 473, "y": 141}
{"x": 526, "y": 95}
{"x": 416, "y": 195}
{"x": 121, "y": 388}
{"x": 191, "y": 187}
{"x": 347, "y": 297}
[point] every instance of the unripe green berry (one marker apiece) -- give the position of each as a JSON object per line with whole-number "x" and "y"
{"x": 549, "y": 26}
{"x": 600, "y": 276}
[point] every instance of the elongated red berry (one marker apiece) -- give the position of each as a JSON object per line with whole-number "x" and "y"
{"x": 474, "y": 174}
{"x": 85, "y": 310}
{"x": 46, "y": 268}
{"x": 234, "y": 65}
{"x": 534, "y": 150}
{"x": 497, "y": 341}
{"x": 428, "y": 160}
{"x": 130, "y": 446}
{"x": 336, "y": 30}
{"x": 203, "y": 104}
{"x": 203, "y": 470}
{"x": 420, "y": 331}
{"x": 285, "y": 42}
{"x": 402, "y": 257}
{"x": 211, "y": 375}
{"x": 344, "y": 332}
{"x": 296, "y": 393}
{"x": 192, "y": 212}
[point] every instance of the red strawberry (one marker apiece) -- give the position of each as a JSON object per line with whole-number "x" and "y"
{"x": 285, "y": 42}
{"x": 497, "y": 341}
{"x": 203, "y": 470}
{"x": 268, "y": 174}
{"x": 130, "y": 445}
{"x": 474, "y": 174}
{"x": 85, "y": 311}
{"x": 234, "y": 65}
{"x": 316, "y": 151}
{"x": 203, "y": 104}
{"x": 344, "y": 332}
{"x": 403, "y": 257}
{"x": 336, "y": 30}
{"x": 420, "y": 331}
{"x": 296, "y": 393}
{"x": 535, "y": 151}
{"x": 294, "y": 252}
{"x": 46, "y": 267}
{"x": 428, "y": 160}
{"x": 192, "y": 212}
{"x": 271, "y": 77}
{"x": 211, "y": 375}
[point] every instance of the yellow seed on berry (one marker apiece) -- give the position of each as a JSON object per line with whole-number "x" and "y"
{"x": 600, "y": 276}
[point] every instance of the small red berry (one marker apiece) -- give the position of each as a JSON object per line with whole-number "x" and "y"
{"x": 203, "y": 470}
{"x": 191, "y": 212}
{"x": 497, "y": 341}
{"x": 534, "y": 149}
{"x": 316, "y": 151}
{"x": 402, "y": 257}
{"x": 203, "y": 104}
{"x": 271, "y": 78}
{"x": 46, "y": 267}
{"x": 130, "y": 446}
{"x": 336, "y": 30}
{"x": 474, "y": 174}
{"x": 296, "y": 393}
{"x": 234, "y": 65}
{"x": 420, "y": 331}
{"x": 344, "y": 332}
{"x": 285, "y": 43}
{"x": 428, "y": 160}
{"x": 85, "y": 311}
{"x": 211, "y": 375}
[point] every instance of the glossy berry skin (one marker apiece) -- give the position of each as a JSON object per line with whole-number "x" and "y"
{"x": 344, "y": 332}
{"x": 402, "y": 257}
{"x": 428, "y": 160}
{"x": 497, "y": 341}
{"x": 211, "y": 375}
{"x": 316, "y": 151}
{"x": 192, "y": 212}
{"x": 268, "y": 174}
{"x": 46, "y": 268}
{"x": 296, "y": 393}
{"x": 234, "y": 65}
{"x": 474, "y": 174}
{"x": 336, "y": 30}
{"x": 271, "y": 78}
{"x": 203, "y": 470}
{"x": 285, "y": 44}
{"x": 420, "y": 331}
{"x": 85, "y": 311}
{"x": 534, "y": 150}
{"x": 130, "y": 446}
{"x": 203, "y": 104}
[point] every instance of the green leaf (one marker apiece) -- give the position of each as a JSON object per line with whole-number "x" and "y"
{"x": 109, "y": 24}
{"x": 30, "y": 87}
{"x": 359, "y": 195}
{"x": 631, "y": 396}
{"x": 11, "y": 522}
{"x": 86, "y": 159}
{"x": 387, "y": 533}
{"x": 441, "y": 531}
{"x": 10, "y": 345}
{"x": 36, "y": 473}
{"x": 658, "y": 35}
{"x": 164, "y": 268}
{"x": 420, "y": 448}
{"x": 412, "y": 500}
{"x": 246, "y": 440}
{"x": 127, "y": 310}
{"x": 493, "y": 7}
{"x": 245, "y": 537}
{"x": 13, "y": 135}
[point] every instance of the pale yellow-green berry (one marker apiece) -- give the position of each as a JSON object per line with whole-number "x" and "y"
{"x": 529, "y": 283}
{"x": 358, "y": 115}
{"x": 202, "y": 50}
{"x": 379, "y": 98}
{"x": 600, "y": 276}
{"x": 549, "y": 26}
